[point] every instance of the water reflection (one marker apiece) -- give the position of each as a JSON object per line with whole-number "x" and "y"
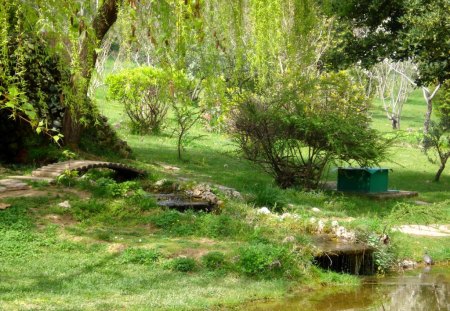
{"x": 422, "y": 290}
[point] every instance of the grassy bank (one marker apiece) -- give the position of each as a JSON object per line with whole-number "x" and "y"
{"x": 118, "y": 250}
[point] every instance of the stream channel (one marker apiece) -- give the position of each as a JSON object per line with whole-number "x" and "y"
{"x": 423, "y": 289}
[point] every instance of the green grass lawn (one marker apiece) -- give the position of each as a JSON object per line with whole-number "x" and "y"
{"x": 81, "y": 258}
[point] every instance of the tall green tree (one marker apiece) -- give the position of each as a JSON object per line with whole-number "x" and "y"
{"x": 416, "y": 30}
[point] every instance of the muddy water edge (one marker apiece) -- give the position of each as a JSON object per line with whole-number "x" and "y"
{"x": 426, "y": 288}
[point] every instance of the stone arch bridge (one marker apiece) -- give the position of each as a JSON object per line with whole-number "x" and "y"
{"x": 52, "y": 171}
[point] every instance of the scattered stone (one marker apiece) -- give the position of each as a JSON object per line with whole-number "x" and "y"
{"x": 312, "y": 220}
{"x": 276, "y": 264}
{"x": 65, "y": 204}
{"x": 285, "y": 215}
{"x": 320, "y": 226}
{"x": 288, "y": 215}
{"x": 203, "y": 192}
{"x": 334, "y": 224}
{"x": 160, "y": 182}
{"x": 421, "y": 203}
{"x": 289, "y": 239}
{"x": 169, "y": 167}
{"x": 407, "y": 264}
{"x": 12, "y": 185}
{"x": 315, "y": 210}
{"x": 342, "y": 233}
{"x": 4, "y": 206}
{"x": 229, "y": 192}
{"x": 264, "y": 211}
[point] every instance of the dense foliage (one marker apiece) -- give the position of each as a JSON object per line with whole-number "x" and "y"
{"x": 417, "y": 30}
{"x": 144, "y": 93}
{"x": 295, "y": 133}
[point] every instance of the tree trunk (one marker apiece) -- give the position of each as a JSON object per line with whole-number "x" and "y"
{"x": 426, "y": 123}
{"x": 103, "y": 20}
{"x": 443, "y": 158}
{"x": 439, "y": 172}
{"x": 71, "y": 130}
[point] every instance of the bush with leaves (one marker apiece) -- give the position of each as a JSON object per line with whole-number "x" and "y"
{"x": 183, "y": 264}
{"x": 263, "y": 260}
{"x": 295, "y": 130}
{"x": 214, "y": 260}
{"x": 144, "y": 94}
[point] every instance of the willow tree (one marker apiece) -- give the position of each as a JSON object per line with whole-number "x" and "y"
{"x": 207, "y": 38}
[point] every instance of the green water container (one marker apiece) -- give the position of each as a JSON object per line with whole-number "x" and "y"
{"x": 363, "y": 179}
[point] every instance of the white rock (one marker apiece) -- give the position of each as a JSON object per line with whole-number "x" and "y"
{"x": 312, "y": 220}
{"x": 263, "y": 210}
{"x": 295, "y": 216}
{"x": 341, "y": 231}
{"x": 286, "y": 215}
{"x": 407, "y": 264}
{"x": 320, "y": 226}
{"x": 334, "y": 224}
{"x": 160, "y": 182}
{"x": 65, "y": 204}
{"x": 315, "y": 210}
{"x": 289, "y": 239}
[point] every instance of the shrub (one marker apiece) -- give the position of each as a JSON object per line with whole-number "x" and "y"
{"x": 295, "y": 132}
{"x": 183, "y": 264}
{"x": 265, "y": 260}
{"x": 214, "y": 260}
{"x": 140, "y": 256}
{"x": 144, "y": 93}
{"x": 110, "y": 188}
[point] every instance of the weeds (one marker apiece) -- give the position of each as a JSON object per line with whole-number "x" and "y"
{"x": 140, "y": 256}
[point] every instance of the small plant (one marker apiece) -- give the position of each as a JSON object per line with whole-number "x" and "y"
{"x": 383, "y": 256}
{"x": 214, "y": 260}
{"x": 183, "y": 264}
{"x": 140, "y": 256}
{"x": 67, "y": 178}
{"x": 109, "y": 187}
{"x": 265, "y": 260}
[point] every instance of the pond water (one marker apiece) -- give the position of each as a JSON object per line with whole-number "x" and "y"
{"x": 425, "y": 289}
